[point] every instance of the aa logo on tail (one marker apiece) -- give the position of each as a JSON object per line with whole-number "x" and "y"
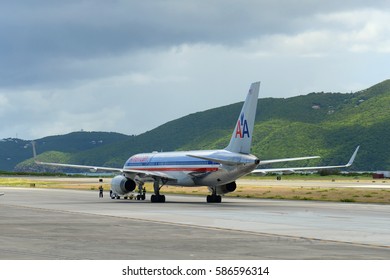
{"x": 242, "y": 127}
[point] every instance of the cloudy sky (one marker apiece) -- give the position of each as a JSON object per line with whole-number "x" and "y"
{"x": 130, "y": 66}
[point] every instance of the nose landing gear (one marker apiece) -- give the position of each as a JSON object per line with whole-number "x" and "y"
{"x": 141, "y": 191}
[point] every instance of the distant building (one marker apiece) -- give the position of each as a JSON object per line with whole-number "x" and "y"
{"x": 381, "y": 174}
{"x": 330, "y": 112}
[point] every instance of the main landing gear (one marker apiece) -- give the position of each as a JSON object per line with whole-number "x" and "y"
{"x": 214, "y": 198}
{"x": 157, "y": 197}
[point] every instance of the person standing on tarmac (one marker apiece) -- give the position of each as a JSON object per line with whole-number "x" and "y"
{"x": 101, "y": 191}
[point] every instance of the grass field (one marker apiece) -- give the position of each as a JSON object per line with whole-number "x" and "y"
{"x": 311, "y": 188}
{"x": 297, "y": 193}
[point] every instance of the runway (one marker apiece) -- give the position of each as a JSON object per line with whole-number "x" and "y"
{"x": 72, "y": 224}
{"x": 373, "y": 184}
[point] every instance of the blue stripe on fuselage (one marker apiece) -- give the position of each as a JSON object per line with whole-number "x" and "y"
{"x": 168, "y": 162}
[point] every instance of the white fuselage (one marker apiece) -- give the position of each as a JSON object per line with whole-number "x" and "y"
{"x": 184, "y": 169}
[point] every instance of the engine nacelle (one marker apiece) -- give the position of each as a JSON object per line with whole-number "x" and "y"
{"x": 122, "y": 185}
{"x": 231, "y": 187}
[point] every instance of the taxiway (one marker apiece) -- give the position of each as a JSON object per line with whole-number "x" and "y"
{"x": 73, "y": 224}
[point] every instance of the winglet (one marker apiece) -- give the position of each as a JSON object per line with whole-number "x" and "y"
{"x": 352, "y": 157}
{"x": 35, "y": 153}
{"x": 34, "y": 150}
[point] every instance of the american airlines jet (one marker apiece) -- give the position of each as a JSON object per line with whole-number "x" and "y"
{"x": 216, "y": 169}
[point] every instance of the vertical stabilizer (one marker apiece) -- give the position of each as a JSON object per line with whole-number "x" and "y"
{"x": 241, "y": 140}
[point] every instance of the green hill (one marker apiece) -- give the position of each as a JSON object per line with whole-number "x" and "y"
{"x": 14, "y": 151}
{"x": 327, "y": 124}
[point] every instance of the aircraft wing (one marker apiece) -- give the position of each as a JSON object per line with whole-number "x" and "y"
{"x": 231, "y": 162}
{"x": 285, "y": 159}
{"x": 91, "y": 168}
{"x": 143, "y": 173}
{"x": 293, "y": 169}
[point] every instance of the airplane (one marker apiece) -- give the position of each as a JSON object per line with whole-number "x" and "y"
{"x": 216, "y": 169}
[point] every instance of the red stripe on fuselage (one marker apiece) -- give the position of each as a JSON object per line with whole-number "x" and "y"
{"x": 192, "y": 169}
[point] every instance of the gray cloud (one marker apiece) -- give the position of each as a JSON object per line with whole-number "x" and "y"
{"x": 129, "y": 66}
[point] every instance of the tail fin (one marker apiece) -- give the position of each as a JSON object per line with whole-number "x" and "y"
{"x": 241, "y": 140}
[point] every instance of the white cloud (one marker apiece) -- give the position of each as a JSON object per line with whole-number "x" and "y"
{"x": 334, "y": 33}
{"x": 360, "y": 30}
{"x": 3, "y": 101}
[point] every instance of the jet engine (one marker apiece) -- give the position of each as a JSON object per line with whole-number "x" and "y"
{"x": 231, "y": 187}
{"x": 121, "y": 185}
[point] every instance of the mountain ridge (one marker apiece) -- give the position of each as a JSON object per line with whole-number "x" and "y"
{"x": 327, "y": 124}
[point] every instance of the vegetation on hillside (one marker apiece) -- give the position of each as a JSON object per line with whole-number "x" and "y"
{"x": 327, "y": 124}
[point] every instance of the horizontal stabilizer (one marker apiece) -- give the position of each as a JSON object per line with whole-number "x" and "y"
{"x": 217, "y": 160}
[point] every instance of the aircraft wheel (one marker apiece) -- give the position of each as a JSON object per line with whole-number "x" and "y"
{"x": 157, "y": 198}
{"x": 214, "y": 199}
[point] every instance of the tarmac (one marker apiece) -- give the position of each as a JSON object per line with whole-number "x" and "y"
{"x": 53, "y": 224}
